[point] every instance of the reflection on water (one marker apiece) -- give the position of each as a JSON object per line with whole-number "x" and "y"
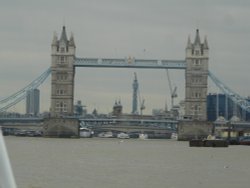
{"x": 132, "y": 163}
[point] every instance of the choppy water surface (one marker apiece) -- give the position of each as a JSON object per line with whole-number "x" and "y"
{"x": 133, "y": 163}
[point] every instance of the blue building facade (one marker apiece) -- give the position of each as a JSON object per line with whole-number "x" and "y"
{"x": 225, "y": 107}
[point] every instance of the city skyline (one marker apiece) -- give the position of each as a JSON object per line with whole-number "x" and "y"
{"x": 111, "y": 29}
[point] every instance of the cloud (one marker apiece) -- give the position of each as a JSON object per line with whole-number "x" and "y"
{"x": 120, "y": 29}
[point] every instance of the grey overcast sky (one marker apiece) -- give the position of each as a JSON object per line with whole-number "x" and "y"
{"x": 150, "y": 29}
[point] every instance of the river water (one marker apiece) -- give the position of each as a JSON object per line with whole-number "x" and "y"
{"x": 132, "y": 163}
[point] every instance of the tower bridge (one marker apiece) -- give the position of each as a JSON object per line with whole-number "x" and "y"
{"x": 62, "y": 71}
{"x": 63, "y": 66}
{"x": 64, "y": 62}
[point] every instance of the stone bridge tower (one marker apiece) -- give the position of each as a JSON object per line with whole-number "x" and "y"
{"x": 62, "y": 75}
{"x": 61, "y": 122}
{"x": 196, "y": 78}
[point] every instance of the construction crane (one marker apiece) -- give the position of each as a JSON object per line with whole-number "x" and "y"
{"x": 141, "y": 101}
{"x": 142, "y": 104}
{"x": 173, "y": 93}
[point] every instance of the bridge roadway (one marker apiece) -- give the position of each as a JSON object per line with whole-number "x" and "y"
{"x": 7, "y": 120}
{"x": 98, "y": 123}
{"x": 131, "y": 128}
{"x": 118, "y": 120}
{"x": 22, "y": 123}
{"x": 130, "y": 125}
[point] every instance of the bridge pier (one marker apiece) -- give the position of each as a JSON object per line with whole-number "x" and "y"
{"x": 61, "y": 127}
{"x": 188, "y": 130}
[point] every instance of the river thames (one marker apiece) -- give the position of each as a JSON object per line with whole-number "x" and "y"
{"x": 132, "y": 163}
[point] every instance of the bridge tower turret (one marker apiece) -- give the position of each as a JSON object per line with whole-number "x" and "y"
{"x": 196, "y": 78}
{"x": 62, "y": 75}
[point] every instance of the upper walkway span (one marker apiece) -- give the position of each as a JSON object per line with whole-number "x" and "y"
{"x": 130, "y": 63}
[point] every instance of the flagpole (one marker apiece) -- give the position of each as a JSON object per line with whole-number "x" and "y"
{"x": 6, "y": 175}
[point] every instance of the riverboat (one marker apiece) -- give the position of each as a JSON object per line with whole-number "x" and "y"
{"x": 209, "y": 142}
{"x": 123, "y": 136}
{"x": 85, "y": 133}
{"x": 106, "y": 135}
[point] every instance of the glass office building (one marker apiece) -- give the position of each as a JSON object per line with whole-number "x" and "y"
{"x": 220, "y": 105}
{"x": 33, "y": 102}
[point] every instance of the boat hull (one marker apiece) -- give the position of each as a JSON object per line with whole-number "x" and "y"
{"x": 208, "y": 143}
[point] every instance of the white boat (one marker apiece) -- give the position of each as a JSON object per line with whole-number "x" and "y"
{"x": 85, "y": 133}
{"x": 106, "y": 135}
{"x": 123, "y": 136}
{"x": 143, "y": 136}
{"x": 174, "y": 136}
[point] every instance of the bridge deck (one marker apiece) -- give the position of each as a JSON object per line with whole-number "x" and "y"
{"x": 130, "y": 63}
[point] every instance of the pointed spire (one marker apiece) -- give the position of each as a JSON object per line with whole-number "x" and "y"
{"x": 71, "y": 40}
{"x": 197, "y": 38}
{"x": 205, "y": 44}
{"x": 64, "y": 35}
{"x": 189, "y": 45}
{"x": 54, "y": 40}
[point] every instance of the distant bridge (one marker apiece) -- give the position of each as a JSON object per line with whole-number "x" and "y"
{"x": 99, "y": 123}
{"x": 130, "y": 125}
{"x": 13, "y": 120}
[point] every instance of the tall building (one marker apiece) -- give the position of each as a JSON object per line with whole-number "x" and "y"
{"x": 33, "y": 102}
{"x": 220, "y": 105}
{"x": 196, "y": 78}
{"x": 117, "y": 108}
{"x": 80, "y": 110}
{"x": 62, "y": 75}
{"x": 135, "y": 96}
